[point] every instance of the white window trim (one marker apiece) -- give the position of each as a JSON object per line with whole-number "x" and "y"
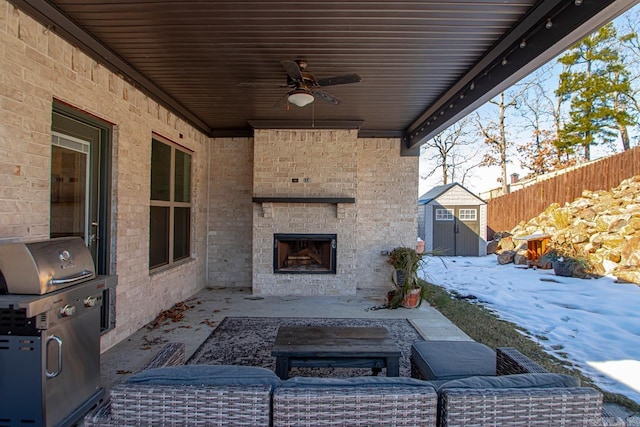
{"x": 466, "y": 212}
{"x": 440, "y": 214}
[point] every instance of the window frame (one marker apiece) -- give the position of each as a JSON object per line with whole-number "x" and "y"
{"x": 463, "y": 217}
{"x": 448, "y": 217}
{"x": 171, "y": 204}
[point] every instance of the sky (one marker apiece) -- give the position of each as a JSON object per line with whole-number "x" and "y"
{"x": 595, "y": 322}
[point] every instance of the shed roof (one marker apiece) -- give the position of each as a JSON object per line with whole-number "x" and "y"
{"x": 439, "y": 190}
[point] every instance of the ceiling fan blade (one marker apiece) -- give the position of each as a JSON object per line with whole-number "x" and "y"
{"x": 339, "y": 80}
{"x": 293, "y": 69}
{"x": 319, "y": 94}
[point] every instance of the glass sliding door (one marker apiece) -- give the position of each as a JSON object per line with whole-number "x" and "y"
{"x": 69, "y": 187}
{"x": 81, "y": 189}
{"x": 81, "y": 181}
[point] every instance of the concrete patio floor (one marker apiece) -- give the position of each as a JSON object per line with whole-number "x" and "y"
{"x": 210, "y": 306}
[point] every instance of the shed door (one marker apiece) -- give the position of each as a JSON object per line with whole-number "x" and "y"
{"x": 444, "y": 226}
{"x": 456, "y": 230}
{"x": 467, "y": 230}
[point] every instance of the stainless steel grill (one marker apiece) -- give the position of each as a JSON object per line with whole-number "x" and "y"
{"x": 50, "y": 300}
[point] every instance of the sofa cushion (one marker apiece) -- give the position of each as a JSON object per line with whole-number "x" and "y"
{"x": 449, "y": 360}
{"x": 547, "y": 380}
{"x": 216, "y": 375}
{"x": 370, "y": 381}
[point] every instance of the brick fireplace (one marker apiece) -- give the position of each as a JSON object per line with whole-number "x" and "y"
{"x": 310, "y": 182}
{"x": 301, "y": 185}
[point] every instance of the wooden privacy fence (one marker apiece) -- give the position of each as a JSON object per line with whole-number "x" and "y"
{"x": 505, "y": 212}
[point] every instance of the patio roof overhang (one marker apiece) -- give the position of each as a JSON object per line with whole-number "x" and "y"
{"x": 424, "y": 64}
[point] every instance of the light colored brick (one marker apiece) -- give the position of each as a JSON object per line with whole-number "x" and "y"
{"x": 36, "y": 68}
{"x": 232, "y": 240}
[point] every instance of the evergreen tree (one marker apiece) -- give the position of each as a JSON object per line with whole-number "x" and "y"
{"x": 593, "y": 79}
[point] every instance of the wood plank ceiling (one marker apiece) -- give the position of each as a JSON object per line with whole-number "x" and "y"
{"x": 423, "y": 64}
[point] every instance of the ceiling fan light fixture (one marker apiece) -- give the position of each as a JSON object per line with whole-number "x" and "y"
{"x": 300, "y": 97}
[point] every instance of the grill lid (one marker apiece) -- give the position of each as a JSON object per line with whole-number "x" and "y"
{"x": 40, "y": 267}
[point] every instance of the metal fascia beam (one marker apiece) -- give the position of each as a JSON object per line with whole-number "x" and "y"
{"x": 570, "y": 23}
{"x": 380, "y": 133}
{"x": 49, "y": 16}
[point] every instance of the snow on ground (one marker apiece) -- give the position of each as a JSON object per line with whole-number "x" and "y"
{"x": 594, "y": 323}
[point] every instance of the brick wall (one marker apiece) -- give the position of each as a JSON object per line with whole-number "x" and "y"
{"x": 37, "y": 67}
{"x": 386, "y": 202}
{"x": 230, "y": 215}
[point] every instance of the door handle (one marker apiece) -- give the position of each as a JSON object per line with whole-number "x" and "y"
{"x": 93, "y": 237}
{"x": 59, "y": 367}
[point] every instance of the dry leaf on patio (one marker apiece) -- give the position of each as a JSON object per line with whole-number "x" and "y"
{"x": 175, "y": 314}
{"x": 209, "y": 323}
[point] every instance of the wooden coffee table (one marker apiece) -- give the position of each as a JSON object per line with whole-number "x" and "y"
{"x": 337, "y": 347}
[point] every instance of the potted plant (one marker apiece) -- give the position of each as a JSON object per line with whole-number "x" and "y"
{"x": 409, "y": 290}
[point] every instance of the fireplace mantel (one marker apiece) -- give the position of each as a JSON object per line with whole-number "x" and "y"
{"x": 293, "y": 199}
{"x": 338, "y": 201}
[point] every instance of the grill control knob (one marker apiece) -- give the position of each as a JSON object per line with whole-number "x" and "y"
{"x": 67, "y": 310}
{"x": 90, "y": 301}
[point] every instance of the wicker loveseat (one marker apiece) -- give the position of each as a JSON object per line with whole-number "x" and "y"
{"x": 363, "y": 401}
{"x": 521, "y": 393}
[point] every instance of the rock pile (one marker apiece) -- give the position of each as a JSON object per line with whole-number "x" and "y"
{"x": 601, "y": 227}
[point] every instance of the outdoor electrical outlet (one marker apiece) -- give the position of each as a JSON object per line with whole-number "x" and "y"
{"x": 384, "y": 253}
{"x": 307, "y": 180}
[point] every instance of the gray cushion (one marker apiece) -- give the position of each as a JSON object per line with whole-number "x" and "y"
{"x": 449, "y": 360}
{"x": 354, "y": 382}
{"x": 216, "y": 375}
{"x": 514, "y": 381}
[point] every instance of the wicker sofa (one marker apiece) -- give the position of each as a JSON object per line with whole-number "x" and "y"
{"x": 506, "y": 400}
{"x": 363, "y": 401}
{"x": 366, "y": 401}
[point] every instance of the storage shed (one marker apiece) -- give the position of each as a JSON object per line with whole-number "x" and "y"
{"x": 453, "y": 221}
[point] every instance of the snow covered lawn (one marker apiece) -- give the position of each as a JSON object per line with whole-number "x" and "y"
{"x": 595, "y": 323}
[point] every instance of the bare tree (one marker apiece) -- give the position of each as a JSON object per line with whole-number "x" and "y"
{"x": 540, "y": 114}
{"x": 495, "y": 135}
{"x": 448, "y": 154}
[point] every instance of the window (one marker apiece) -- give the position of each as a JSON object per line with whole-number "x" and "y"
{"x": 170, "y": 213}
{"x": 468, "y": 214}
{"x": 444, "y": 214}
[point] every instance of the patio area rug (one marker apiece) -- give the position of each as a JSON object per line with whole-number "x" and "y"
{"x": 248, "y": 341}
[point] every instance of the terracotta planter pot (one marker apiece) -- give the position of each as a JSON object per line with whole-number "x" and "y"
{"x": 412, "y": 299}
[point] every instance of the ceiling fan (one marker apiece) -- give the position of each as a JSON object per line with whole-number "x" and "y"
{"x": 305, "y": 87}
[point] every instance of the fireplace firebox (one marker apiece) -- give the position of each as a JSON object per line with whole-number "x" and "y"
{"x": 304, "y": 253}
